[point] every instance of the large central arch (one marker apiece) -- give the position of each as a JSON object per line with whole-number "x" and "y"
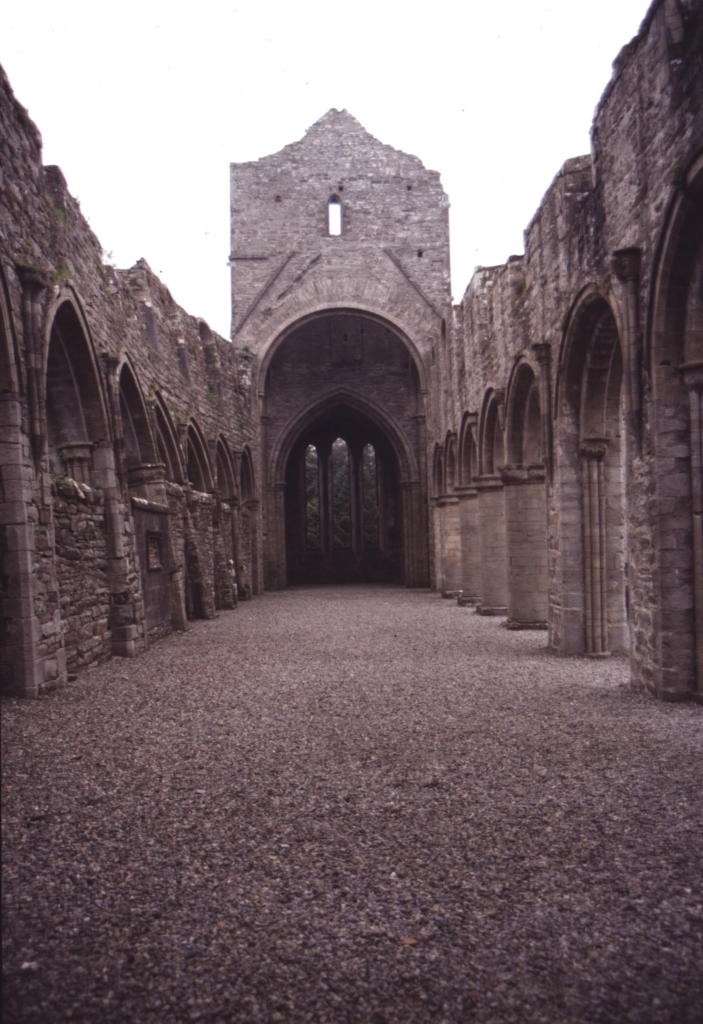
{"x": 343, "y": 442}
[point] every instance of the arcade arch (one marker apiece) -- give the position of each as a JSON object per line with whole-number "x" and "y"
{"x": 467, "y": 471}
{"x": 493, "y": 594}
{"x": 525, "y": 502}
{"x": 591, "y": 480}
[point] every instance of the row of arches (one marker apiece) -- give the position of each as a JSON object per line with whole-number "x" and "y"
{"x": 498, "y": 494}
{"x": 572, "y": 500}
{"x": 143, "y": 522}
{"x": 77, "y": 416}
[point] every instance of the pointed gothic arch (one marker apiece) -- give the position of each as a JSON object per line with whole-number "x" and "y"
{"x": 167, "y": 442}
{"x": 76, "y": 410}
{"x": 525, "y": 502}
{"x": 493, "y": 592}
{"x": 139, "y": 446}
{"x": 197, "y": 459}
{"x": 468, "y": 450}
{"x": 592, "y": 618}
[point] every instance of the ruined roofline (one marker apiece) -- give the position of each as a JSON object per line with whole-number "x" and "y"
{"x": 623, "y": 56}
{"x": 342, "y": 122}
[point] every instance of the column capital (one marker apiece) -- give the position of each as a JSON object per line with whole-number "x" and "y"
{"x": 543, "y": 352}
{"x": 692, "y": 375}
{"x": 593, "y": 448}
{"x": 625, "y": 264}
{"x": 33, "y": 279}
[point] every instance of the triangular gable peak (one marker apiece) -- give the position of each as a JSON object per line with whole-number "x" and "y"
{"x": 340, "y": 131}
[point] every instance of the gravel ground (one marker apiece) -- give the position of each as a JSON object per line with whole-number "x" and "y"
{"x": 352, "y": 805}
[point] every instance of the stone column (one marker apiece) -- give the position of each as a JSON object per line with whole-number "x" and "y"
{"x": 23, "y": 671}
{"x": 493, "y": 598}
{"x": 526, "y": 542}
{"x": 450, "y": 552}
{"x": 693, "y": 379}
{"x": 595, "y": 597}
{"x": 470, "y": 569}
{"x": 125, "y": 629}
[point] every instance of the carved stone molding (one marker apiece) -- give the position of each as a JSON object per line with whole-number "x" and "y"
{"x": 625, "y": 264}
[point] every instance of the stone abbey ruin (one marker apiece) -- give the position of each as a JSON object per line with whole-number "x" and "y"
{"x": 534, "y": 451}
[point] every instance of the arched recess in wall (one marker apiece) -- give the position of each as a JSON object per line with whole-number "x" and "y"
{"x": 344, "y": 464}
{"x": 467, "y": 471}
{"x": 676, "y": 369}
{"x": 81, "y": 463}
{"x": 226, "y": 483}
{"x": 450, "y": 462}
{"x": 248, "y": 551}
{"x": 166, "y": 442}
{"x": 197, "y": 460}
{"x": 493, "y": 591}
{"x": 523, "y": 418}
{"x": 592, "y": 614}
{"x": 145, "y": 476}
{"x": 468, "y": 451}
{"x": 525, "y": 502}
{"x": 75, "y": 404}
{"x": 490, "y": 433}
{"x": 138, "y": 444}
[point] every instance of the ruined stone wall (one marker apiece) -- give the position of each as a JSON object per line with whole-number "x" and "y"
{"x": 580, "y": 308}
{"x": 73, "y": 543}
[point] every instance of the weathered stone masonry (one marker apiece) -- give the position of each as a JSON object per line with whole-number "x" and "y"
{"x": 576, "y": 383}
{"x": 126, "y": 434}
{"x": 534, "y": 452}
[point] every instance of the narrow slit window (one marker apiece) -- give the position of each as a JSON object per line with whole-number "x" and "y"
{"x": 334, "y": 216}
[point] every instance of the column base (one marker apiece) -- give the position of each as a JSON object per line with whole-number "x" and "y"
{"x": 483, "y": 609}
{"x": 524, "y": 624}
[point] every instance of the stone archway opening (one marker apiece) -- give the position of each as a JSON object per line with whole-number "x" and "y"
{"x": 594, "y": 611}
{"x": 343, "y": 518}
{"x": 343, "y": 454}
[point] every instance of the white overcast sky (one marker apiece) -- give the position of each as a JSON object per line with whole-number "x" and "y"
{"x": 144, "y": 104}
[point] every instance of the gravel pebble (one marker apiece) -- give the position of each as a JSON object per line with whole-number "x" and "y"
{"x": 357, "y": 804}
